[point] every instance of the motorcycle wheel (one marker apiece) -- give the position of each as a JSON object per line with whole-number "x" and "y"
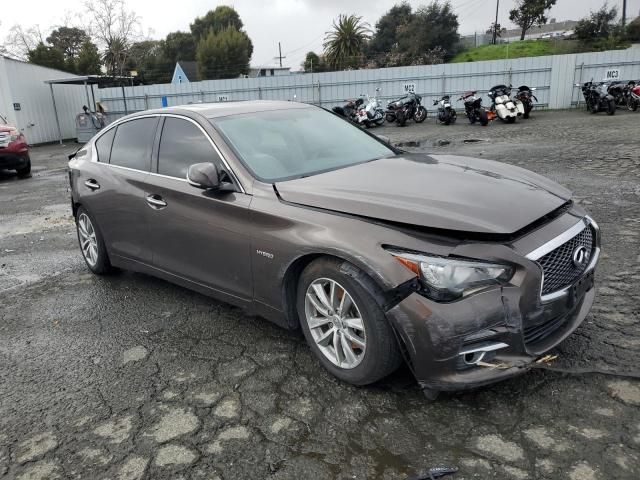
{"x": 379, "y": 121}
{"x": 592, "y": 108}
{"x": 454, "y": 116}
{"x": 611, "y": 107}
{"x": 472, "y": 117}
{"x": 420, "y": 115}
{"x": 484, "y": 119}
{"x": 391, "y": 117}
{"x": 511, "y": 119}
{"x": 632, "y": 105}
{"x": 401, "y": 119}
{"x": 527, "y": 111}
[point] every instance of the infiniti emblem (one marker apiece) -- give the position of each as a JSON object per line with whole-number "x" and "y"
{"x": 579, "y": 256}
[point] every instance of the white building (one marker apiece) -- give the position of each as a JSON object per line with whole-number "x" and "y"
{"x": 25, "y": 101}
{"x": 268, "y": 71}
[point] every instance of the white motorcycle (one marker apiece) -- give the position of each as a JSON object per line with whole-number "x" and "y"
{"x": 371, "y": 113}
{"x": 505, "y": 108}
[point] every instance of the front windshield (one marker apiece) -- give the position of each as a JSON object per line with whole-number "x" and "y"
{"x": 283, "y": 144}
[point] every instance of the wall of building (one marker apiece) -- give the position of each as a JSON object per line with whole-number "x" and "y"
{"x": 553, "y": 76}
{"x": 23, "y": 83}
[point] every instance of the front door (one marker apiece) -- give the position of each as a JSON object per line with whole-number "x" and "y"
{"x": 198, "y": 235}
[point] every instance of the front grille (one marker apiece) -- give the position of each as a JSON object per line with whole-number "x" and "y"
{"x": 558, "y": 266}
{"x": 4, "y": 139}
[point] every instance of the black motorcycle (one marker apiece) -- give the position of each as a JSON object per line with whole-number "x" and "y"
{"x": 350, "y": 109}
{"x": 526, "y": 96}
{"x": 598, "y": 98}
{"x": 406, "y": 108}
{"x": 473, "y": 108}
{"x": 446, "y": 114}
{"x": 617, "y": 91}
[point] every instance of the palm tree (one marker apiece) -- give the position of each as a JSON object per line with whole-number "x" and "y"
{"x": 344, "y": 44}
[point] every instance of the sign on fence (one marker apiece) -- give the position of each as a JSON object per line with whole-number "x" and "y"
{"x": 223, "y": 98}
{"x": 409, "y": 88}
{"x": 612, "y": 74}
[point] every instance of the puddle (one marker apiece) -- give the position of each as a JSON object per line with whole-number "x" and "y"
{"x": 474, "y": 140}
{"x": 407, "y": 144}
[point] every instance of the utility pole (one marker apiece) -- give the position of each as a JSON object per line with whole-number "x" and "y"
{"x": 280, "y": 57}
{"x": 495, "y": 24}
{"x": 624, "y": 12}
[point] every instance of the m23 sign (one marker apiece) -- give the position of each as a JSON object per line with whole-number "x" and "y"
{"x": 409, "y": 88}
{"x": 612, "y": 74}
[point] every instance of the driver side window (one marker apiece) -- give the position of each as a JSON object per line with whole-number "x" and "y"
{"x": 181, "y": 145}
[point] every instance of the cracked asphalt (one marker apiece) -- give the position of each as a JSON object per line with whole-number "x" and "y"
{"x": 130, "y": 377}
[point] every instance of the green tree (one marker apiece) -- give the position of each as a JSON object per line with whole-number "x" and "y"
{"x": 633, "y": 30}
{"x": 385, "y": 37}
{"x": 314, "y": 63}
{"x": 89, "y": 61}
{"x": 216, "y": 20}
{"x": 46, "y": 56}
{"x": 529, "y": 13}
{"x": 68, "y": 40}
{"x": 432, "y": 34}
{"x": 223, "y": 54}
{"x": 179, "y": 46}
{"x": 148, "y": 59}
{"x": 598, "y": 25}
{"x": 346, "y": 42}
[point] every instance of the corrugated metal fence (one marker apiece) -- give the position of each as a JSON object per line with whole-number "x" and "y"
{"x": 553, "y": 76}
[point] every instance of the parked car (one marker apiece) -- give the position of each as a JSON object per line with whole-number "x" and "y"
{"x": 14, "y": 150}
{"x": 376, "y": 254}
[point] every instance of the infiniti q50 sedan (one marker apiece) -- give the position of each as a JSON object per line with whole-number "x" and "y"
{"x": 377, "y": 255}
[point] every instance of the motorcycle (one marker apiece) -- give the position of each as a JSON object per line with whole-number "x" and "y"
{"x": 372, "y": 114}
{"x": 350, "y": 109}
{"x": 473, "y": 108}
{"x": 597, "y": 97}
{"x": 525, "y": 95}
{"x": 633, "y": 96}
{"x": 617, "y": 91}
{"x": 446, "y": 113}
{"x": 405, "y": 108}
{"x": 505, "y": 108}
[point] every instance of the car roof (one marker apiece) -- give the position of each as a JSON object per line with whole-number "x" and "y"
{"x": 223, "y": 109}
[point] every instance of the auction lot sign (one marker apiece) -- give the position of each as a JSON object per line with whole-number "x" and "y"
{"x": 612, "y": 75}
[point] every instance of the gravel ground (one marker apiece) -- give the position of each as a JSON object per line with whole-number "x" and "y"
{"x": 127, "y": 377}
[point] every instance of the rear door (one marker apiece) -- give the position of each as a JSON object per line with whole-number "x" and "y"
{"x": 113, "y": 188}
{"x": 198, "y": 235}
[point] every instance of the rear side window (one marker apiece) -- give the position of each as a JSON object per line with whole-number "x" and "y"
{"x": 103, "y": 145}
{"x": 133, "y": 142}
{"x": 182, "y": 144}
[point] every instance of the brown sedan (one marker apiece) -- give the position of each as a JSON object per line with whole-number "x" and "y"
{"x": 451, "y": 263}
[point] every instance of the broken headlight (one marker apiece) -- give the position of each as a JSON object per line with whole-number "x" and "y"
{"x": 447, "y": 279}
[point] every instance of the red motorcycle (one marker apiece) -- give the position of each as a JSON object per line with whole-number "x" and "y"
{"x": 633, "y": 100}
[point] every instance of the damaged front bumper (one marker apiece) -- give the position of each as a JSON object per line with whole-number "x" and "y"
{"x": 458, "y": 345}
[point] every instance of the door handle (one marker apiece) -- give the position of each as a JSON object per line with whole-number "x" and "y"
{"x": 156, "y": 201}
{"x": 92, "y": 184}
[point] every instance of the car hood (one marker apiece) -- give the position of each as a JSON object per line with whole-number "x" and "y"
{"x": 437, "y": 191}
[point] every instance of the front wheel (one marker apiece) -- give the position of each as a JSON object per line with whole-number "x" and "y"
{"x": 401, "y": 118}
{"x": 91, "y": 243}
{"x": 632, "y": 105}
{"x": 511, "y": 119}
{"x": 527, "y": 111}
{"x": 343, "y": 324}
{"x": 483, "y": 117}
{"x": 611, "y": 107}
{"x": 25, "y": 172}
{"x": 420, "y": 115}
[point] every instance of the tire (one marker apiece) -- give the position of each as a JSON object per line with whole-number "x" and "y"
{"x": 379, "y": 356}
{"x": 511, "y": 119}
{"x": 25, "y": 172}
{"x": 472, "y": 118}
{"x": 391, "y": 117}
{"x": 527, "y": 111}
{"x": 611, "y": 107}
{"x": 420, "y": 115}
{"x": 484, "y": 119}
{"x": 632, "y": 105}
{"x": 99, "y": 264}
{"x": 401, "y": 119}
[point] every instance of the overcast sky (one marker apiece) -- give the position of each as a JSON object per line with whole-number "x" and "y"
{"x": 299, "y": 24}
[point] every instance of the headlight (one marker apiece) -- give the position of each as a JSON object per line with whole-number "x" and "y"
{"x": 14, "y": 135}
{"x": 450, "y": 278}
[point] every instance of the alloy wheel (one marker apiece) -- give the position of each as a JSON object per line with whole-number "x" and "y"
{"x": 335, "y": 323}
{"x": 88, "y": 240}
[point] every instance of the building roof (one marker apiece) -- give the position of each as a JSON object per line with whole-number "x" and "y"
{"x": 190, "y": 69}
{"x": 223, "y": 109}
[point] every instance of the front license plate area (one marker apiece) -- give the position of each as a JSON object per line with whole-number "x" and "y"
{"x": 581, "y": 287}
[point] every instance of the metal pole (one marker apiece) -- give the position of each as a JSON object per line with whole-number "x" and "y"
{"x": 93, "y": 96}
{"x": 495, "y": 24}
{"x": 55, "y": 111}
{"x": 580, "y": 81}
{"x": 624, "y": 13}
{"x": 124, "y": 99}
{"x": 86, "y": 90}
{"x": 280, "y": 53}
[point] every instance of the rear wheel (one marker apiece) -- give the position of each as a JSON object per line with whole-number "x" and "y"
{"x": 343, "y": 324}
{"x": 511, "y": 119}
{"x": 401, "y": 118}
{"x": 25, "y": 171}
{"x": 632, "y": 105}
{"x": 527, "y": 111}
{"x": 91, "y": 243}
{"x": 611, "y": 107}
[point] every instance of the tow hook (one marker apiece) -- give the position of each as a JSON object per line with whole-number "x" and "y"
{"x": 546, "y": 360}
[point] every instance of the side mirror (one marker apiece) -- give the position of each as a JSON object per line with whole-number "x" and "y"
{"x": 204, "y": 175}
